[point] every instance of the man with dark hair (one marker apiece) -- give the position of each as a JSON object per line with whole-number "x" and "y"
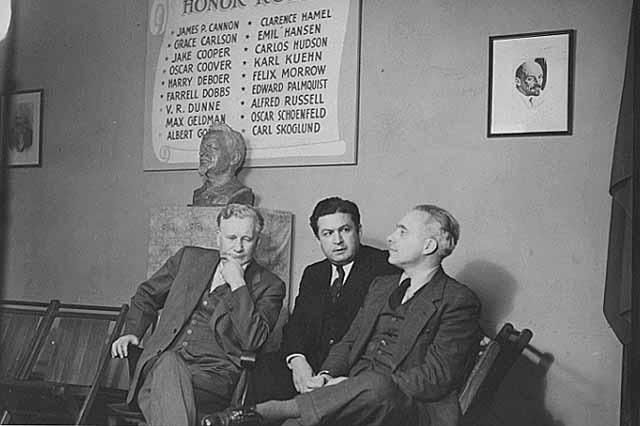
{"x": 215, "y": 304}
{"x": 330, "y": 294}
{"x": 407, "y": 351}
{"x": 332, "y": 290}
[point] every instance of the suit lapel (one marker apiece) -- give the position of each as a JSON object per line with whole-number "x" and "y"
{"x": 199, "y": 274}
{"x": 357, "y": 280}
{"x": 422, "y": 308}
{"x": 357, "y": 271}
{"x": 252, "y": 275}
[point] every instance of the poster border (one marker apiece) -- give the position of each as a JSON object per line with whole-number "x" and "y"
{"x": 349, "y": 157}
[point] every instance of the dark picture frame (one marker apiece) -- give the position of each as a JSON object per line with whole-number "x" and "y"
{"x": 22, "y": 127}
{"x": 531, "y": 78}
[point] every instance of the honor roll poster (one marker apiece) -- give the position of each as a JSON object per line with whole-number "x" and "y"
{"x": 284, "y": 73}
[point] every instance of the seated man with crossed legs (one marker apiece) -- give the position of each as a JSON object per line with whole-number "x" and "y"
{"x": 407, "y": 351}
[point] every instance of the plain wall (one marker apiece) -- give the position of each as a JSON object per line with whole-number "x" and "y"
{"x": 534, "y": 211}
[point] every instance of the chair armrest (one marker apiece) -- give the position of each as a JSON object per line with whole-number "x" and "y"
{"x": 248, "y": 359}
{"x": 248, "y": 362}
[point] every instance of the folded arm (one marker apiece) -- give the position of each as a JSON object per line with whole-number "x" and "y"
{"x": 253, "y": 320}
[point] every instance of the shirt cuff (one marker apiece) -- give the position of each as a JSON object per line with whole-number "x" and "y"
{"x": 292, "y": 356}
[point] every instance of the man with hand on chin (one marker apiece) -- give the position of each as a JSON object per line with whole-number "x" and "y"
{"x": 215, "y": 304}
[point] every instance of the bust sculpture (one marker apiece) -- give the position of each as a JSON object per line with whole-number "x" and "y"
{"x": 222, "y": 151}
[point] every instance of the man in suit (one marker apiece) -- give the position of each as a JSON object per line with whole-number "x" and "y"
{"x": 332, "y": 290}
{"x": 215, "y": 305}
{"x": 407, "y": 351}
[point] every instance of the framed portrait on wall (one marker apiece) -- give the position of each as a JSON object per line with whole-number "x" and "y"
{"x": 531, "y": 84}
{"x": 22, "y": 128}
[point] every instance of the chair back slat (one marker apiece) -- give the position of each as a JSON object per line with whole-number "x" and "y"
{"x": 69, "y": 362}
{"x": 21, "y": 326}
{"x": 478, "y": 374}
{"x": 17, "y": 330}
{"x": 493, "y": 363}
{"x": 72, "y": 350}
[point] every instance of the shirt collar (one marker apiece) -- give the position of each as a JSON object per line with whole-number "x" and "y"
{"x": 530, "y": 101}
{"x": 346, "y": 268}
{"x": 418, "y": 282}
{"x": 217, "y": 279}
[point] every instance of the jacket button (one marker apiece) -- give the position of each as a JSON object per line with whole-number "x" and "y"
{"x": 331, "y": 341}
{"x": 189, "y": 331}
{"x": 175, "y": 330}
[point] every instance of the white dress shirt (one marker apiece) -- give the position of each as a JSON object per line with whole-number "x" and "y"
{"x": 417, "y": 283}
{"x": 218, "y": 279}
{"x": 334, "y": 274}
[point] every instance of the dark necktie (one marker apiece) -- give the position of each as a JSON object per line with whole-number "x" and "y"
{"x": 334, "y": 291}
{"x": 396, "y": 297}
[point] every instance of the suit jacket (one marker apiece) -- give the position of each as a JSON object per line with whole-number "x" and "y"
{"x": 435, "y": 348}
{"x": 305, "y": 326}
{"x": 242, "y": 320}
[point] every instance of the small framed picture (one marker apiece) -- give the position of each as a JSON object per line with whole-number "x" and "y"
{"x": 531, "y": 84}
{"x": 23, "y": 130}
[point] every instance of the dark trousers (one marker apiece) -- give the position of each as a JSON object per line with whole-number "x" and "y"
{"x": 175, "y": 392}
{"x": 370, "y": 398}
{"x": 271, "y": 379}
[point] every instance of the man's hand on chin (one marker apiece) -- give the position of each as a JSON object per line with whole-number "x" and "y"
{"x": 232, "y": 272}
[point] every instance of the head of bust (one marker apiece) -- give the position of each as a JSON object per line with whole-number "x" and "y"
{"x": 222, "y": 151}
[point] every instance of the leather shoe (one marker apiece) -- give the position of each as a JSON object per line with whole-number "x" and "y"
{"x": 238, "y": 416}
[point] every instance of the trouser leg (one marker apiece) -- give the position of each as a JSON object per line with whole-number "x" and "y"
{"x": 271, "y": 379}
{"x": 369, "y": 398}
{"x": 166, "y": 396}
{"x": 212, "y": 392}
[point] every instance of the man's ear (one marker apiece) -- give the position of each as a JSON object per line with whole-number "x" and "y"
{"x": 235, "y": 158}
{"x": 430, "y": 246}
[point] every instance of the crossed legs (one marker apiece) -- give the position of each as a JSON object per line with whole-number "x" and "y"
{"x": 370, "y": 398}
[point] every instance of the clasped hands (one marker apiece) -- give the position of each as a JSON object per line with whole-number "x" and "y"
{"x": 305, "y": 381}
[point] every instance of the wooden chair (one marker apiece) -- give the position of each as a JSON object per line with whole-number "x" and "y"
{"x": 61, "y": 380}
{"x": 21, "y": 326}
{"x": 125, "y": 414}
{"x": 495, "y": 359}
